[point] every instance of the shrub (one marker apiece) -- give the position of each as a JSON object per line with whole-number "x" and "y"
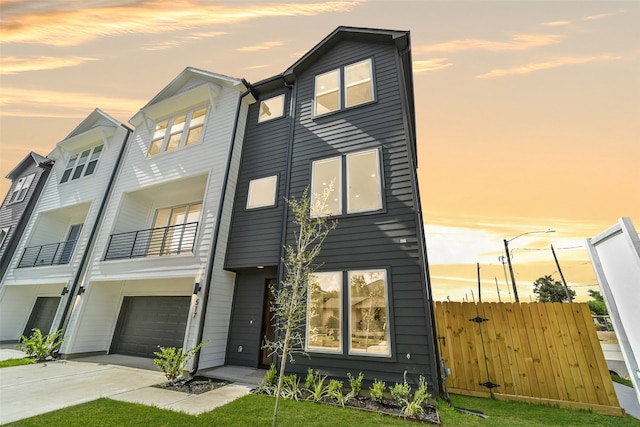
{"x": 291, "y": 387}
{"x": 401, "y": 393}
{"x": 40, "y": 346}
{"x": 172, "y": 361}
{"x": 416, "y": 406}
{"x": 355, "y": 383}
{"x": 269, "y": 383}
{"x": 377, "y": 390}
{"x": 314, "y": 383}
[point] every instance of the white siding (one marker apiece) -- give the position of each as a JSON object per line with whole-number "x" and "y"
{"x": 17, "y": 303}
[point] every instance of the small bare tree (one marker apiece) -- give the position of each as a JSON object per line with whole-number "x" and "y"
{"x": 289, "y": 307}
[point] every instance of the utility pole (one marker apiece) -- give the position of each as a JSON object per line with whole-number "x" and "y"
{"x": 564, "y": 282}
{"x": 497, "y": 288}
{"x": 479, "y": 291}
{"x": 513, "y": 279}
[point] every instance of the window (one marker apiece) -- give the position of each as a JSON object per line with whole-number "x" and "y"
{"x": 358, "y": 87}
{"x": 262, "y": 192}
{"x": 271, "y": 108}
{"x": 177, "y": 132}
{"x": 368, "y": 313}
{"x": 19, "y": 191}
{"x": 3, "y": 234}
{"x": 363, "y": 190}
{"x": 324, "y": 312}
{"x": 174, "y": 229}
{"x": 82, "y": 164}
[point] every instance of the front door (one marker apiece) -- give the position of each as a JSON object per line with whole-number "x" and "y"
{"x": 267, "y": 325}
{"x": 42, "y": 315}
{"x": 70, "y": 243}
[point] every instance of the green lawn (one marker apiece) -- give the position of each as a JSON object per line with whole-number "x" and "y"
{"x": 16, "y": 362}
{"x": 256, "y": 410}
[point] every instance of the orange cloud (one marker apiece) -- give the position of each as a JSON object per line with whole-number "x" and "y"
{"x": 14, "y": 65}
{"x": 557, "y": 23}
{"x": 38, "y": 103}
{"x": 538, "y": 66}
{"x": 262, "y": 46}
{"x": 517, "y": 42}
{"x": 70, "y": 27}
{"x": 430, "y": 65}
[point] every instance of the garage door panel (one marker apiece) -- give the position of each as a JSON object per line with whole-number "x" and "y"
{"x": 148, "y": 322}
{"x": 42, "y": 315}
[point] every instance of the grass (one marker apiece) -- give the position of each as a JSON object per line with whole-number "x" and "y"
{"x": 16, "y": 362}
{"x": 257, "y": 410}
{"x": 618, "y": 379}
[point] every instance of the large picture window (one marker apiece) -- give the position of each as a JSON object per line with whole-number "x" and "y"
{"x": 363, "y": 189}
{"x": 174, "y": 229}
{"x": 19, "y": 191}
{"x": 82, "y": 164}
{"x": 355, "y": 81}
{"x": 324, "y": 312}
{"x": 368, "y": 313}
{"x": 177, "y": 132}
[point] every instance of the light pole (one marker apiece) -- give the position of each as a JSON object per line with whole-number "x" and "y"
{"x": 506, "y": 250}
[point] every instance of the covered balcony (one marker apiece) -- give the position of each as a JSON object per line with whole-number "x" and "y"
{"x": 169, "y": 240}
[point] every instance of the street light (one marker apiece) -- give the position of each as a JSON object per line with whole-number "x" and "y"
{"x": 506, "y": 250}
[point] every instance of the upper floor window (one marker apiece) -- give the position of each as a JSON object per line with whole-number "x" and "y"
{"x": 82, "y": 164}
{"x": 262, "y": 192}
{"x": 271, "y": 108}
{"x": 19, "y": 191}
{"x": 177, "y": 132}
{"x": 3, "y": 234}
{"x": 356, "y": 80}
{"x": 362, "y": 190}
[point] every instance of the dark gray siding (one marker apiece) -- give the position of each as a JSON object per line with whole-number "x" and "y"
{"x": 371, "y": 240}
{"x": 16, "y": 215}
{"x": 246, "y": 317}
{"x": 256, "y": 233}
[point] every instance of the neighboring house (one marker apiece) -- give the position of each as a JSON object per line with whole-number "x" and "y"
{"x": 152, "y": 273}
{"x": 27, "y": 180}
{"x": 41, "y": 280}
{"x": 341, "y": 117}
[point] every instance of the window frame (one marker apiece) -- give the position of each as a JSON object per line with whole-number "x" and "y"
{"x": 273, "y": 117}
{"x": 347, "y": 85}
{"x": 4, "y": 232}
{"x": 161, "y": 143}
{"x": 275, "y": 193}
{"x": 351, "y": 351}
{"x": 342, "y": 88}
{"x": 21, "y": 189}
{"x": 327, "y": 350}
{"x": 75, "y": 157}
{"x": 343, "y": 184}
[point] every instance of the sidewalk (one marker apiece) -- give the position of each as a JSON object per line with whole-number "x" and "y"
{"x": 29, "y": 390}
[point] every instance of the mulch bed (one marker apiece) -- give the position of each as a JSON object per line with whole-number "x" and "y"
{"x": 193, "y": 385}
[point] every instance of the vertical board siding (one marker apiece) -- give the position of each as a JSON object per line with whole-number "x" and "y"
{"x": 370, "y": 240}
{"x": 536, "y": 352}
{"x": 256, "y": 233}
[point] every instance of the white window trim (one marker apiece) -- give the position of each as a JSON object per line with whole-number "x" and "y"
{"x": 316, "y": 93}
{"x": 281, "y": 113}
{"x": 5, "y": 233}
{"x": 184, "y": 132}
{"x": 274, "y": 201}
{"x": 337, "y": 186}
{"x": 70, "y": 178}
{"x": 387, "y": 303}
{"x": 380, "y": 204}
{"x": 24, "y": 183}
{"x": 342, "y": 88}
{"x": 326, "y": 350}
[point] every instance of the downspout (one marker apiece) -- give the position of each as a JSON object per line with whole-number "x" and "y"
{"x": 422, "y": 247}
{"x": 73, "y": 292}
{"x": 216, "y": 232}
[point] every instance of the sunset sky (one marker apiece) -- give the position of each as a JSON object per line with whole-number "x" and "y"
{"x": 528, "y": 112}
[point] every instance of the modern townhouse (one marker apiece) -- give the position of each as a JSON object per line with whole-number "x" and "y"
{"x": 157, "y": 265}
{"x": 341, "y": 117}
{"x": 42, "y": 278}
{"x": 27, "y": 180}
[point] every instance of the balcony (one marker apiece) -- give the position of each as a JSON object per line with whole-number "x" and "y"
{"x": 50, "y": 254}
{"x": 171, "y": 240}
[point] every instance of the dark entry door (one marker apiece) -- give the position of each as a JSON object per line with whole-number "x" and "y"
{"x": 267, "y": 325}
{"x": 44, "y": 310}
{"x": 148, "y": 322}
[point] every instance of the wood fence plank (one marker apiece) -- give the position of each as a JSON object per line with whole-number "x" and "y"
{"x": 501, "y": 357}
{"x": 459, "y": 374}
{"x": 551, "y": 337}
{"x": 583, "y": 367}
{"x": 493, "y": 356}
{"x": 567, "y": 356}
{"x": 519, "y": 354}
{"x": 537, "y": 374}
{"x": 548, "y": 386}
{"x": 474, "y": 347}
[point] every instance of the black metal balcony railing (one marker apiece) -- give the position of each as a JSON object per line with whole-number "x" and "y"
{"x": 174, "y": 239}
{"x": 50, "y": 254}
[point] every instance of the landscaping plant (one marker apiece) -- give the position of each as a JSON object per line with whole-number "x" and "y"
{"x": 377, "y": 390}
{"x": 172, "y": 361}
{"x": 355, "y": 383}
{"x": 39, "y": 346}
{"x": 314, "y": 383}
{"x": 269, "y": 383}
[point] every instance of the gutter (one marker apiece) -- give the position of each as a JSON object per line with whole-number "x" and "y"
{"x": 82, "y": 268}
{"x": 212, "y": 255}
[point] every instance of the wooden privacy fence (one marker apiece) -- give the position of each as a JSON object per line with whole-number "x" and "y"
{"x": 533, "y": 352}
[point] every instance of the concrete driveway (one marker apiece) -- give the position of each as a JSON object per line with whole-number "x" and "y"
{"x": 30, "y": 390}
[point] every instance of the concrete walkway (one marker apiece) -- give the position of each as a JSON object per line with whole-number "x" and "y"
{"x": 29, "y": 390}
